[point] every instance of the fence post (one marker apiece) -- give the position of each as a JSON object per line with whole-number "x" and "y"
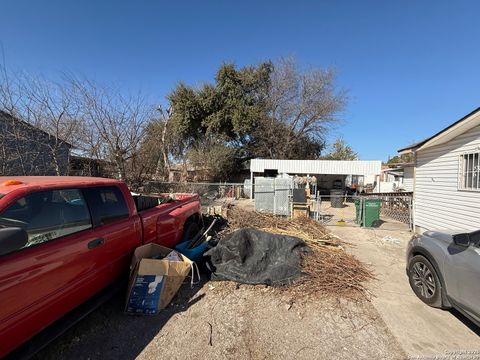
{"x": 412, "y": 214}
{"x": 251, "y": 185}
{"x": 274, "y": 199}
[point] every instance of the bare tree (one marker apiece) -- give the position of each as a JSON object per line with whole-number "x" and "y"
{"x": 305, "y": 103}
{"x": 165, "y": 148}
{"x": 53, "y": 108}
{"x": 29, "y": 104}
{"x": 114, "y": 124}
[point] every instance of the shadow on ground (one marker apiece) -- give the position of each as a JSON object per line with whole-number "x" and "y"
{"x": 466, "y": 321}
{"x": 109, "y": 333}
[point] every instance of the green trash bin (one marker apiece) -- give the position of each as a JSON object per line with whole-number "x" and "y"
{"x": 372, "y": 211}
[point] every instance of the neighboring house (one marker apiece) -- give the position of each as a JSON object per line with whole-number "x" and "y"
{"x": 27, "y": 150}
{"x": 396, "y": 177}
{"x": 447, "y": 177}
{"x": 408, "y": 174}
{"x": 188, "y": 173}
{"x": 80, "y": 165}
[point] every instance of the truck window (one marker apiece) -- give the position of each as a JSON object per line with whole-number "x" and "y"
{"x": 48, "y": 215}
{"x": 107, "y": 204}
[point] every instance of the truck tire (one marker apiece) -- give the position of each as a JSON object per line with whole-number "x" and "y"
{"x": 190, "y": 230}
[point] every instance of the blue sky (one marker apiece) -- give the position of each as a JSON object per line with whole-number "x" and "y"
{"x": 411, "y": 67}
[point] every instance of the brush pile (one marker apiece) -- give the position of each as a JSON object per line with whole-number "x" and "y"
{"x": 329, "y": 270}
{"x": 304, "y": 228}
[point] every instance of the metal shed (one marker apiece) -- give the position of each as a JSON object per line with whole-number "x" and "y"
{"x": 269, "y": 167}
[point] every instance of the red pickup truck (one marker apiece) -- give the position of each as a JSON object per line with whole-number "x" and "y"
{"x": 63, "y": 239}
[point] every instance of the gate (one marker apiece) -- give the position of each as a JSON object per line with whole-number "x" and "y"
{"x": 272, "y": 195}
{"x": 396, "y": 206}
{"x": 264, "y": 194}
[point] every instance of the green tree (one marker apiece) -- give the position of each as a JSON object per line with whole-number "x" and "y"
{"x": 402, "y": 159}
{"x": 340, "y": 150}
{"x": 268, "y": 110}
{"x": 228, "y": 110}
{"x": 216, "y": 122}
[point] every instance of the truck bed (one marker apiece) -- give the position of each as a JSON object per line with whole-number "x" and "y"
{"x": 145, "y": 202}
{"x": 163, "y": 223}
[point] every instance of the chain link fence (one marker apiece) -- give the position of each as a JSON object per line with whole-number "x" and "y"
{"x": 396, "y": 206}
{"x": 210, "y": 193}
{"x": 341, "y": 210}
{"x": 276, "y": 198}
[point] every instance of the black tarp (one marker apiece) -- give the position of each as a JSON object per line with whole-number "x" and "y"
{"x": 251, "y": 256}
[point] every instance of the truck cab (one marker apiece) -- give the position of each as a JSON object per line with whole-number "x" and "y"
{"x": 63, "y": 239}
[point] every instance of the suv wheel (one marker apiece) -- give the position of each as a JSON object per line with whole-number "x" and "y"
{"x": 424, "y": 281}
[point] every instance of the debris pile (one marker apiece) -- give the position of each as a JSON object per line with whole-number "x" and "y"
{"x": 305, "y": 228}
{"x": 328, "y": 268}
{"x": 332, "y": 271}
{"x": 251, "y": 256}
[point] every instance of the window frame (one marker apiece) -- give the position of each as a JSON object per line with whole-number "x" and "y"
{"x": 63, "y": 237}
{"x": 90, "y": 196}
{"x": 466, "y": 172}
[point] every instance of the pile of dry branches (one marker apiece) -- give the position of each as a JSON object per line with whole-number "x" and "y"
{"x": 328, "y": 268}
{"x": 332, "y": 271}
{"x": 304, "y": 228}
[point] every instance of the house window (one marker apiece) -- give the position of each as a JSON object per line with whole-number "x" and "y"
{"x": 470, "y": 171}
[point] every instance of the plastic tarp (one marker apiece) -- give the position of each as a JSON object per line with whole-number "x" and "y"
{"x": 251, "y": 256}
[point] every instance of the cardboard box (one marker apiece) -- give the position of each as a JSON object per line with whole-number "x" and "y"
{"x": 154, "y": 282}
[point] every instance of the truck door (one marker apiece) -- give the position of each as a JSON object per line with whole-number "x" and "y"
{"x": 113, "y": 223}
{"x": 54, "y": 272}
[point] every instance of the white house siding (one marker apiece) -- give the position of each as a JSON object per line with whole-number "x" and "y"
{"x": 408, "y": 178}
{"x": 439, "y": 203}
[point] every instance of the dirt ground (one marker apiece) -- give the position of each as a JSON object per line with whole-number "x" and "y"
{"x": 222, "y": 320}
{"x": 421, "y": 331}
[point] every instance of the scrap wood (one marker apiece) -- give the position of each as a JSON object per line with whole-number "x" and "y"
{"x": 327, "y": 241}
{"x": 333, "y": 271}
{"x": 211, "y": 333}
{"x": 328, "y": 268}
{"x": 302, "y": 227}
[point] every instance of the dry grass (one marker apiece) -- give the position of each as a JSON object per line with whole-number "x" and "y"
{"x": 329, "y": 269}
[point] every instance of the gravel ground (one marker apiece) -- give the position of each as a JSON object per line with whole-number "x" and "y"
{"x": 223, "y": 320}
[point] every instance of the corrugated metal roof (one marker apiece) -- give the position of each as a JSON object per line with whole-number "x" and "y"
{"x": 336, "y": 167}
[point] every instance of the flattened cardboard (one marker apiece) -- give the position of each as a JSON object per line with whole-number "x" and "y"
{"x": 147, "y": 293}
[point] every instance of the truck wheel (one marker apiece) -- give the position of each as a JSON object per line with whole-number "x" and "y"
{"x": 190, "y": 230}
{"x": 424, "y": 281}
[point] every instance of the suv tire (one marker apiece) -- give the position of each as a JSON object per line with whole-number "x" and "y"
{"x": 424, "y": 281}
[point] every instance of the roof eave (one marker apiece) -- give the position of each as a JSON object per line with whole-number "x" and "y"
{"x": 463, "y": 125}
{"x": 455, "y": 129}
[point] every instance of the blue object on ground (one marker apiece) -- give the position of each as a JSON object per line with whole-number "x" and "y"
{"x": 194, "y": 254}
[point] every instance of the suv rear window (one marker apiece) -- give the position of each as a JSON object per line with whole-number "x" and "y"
{"x": 107, "y": 204}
